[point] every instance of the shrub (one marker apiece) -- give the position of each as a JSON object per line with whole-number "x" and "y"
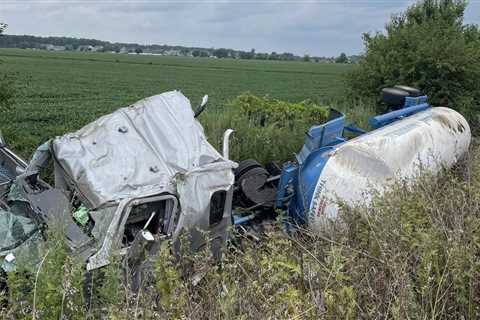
{"x": 266, "y": 110}
{"x": 427, "y": 46}
{"x": 266, "y": 129}
{"x": 6, "y": 84}
{"x": 50, "y": 288}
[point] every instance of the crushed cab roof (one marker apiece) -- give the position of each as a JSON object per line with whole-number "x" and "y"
{"x": 134, "y": 150}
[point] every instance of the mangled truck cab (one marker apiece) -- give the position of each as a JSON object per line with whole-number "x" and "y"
{"x": 133, "y": 178}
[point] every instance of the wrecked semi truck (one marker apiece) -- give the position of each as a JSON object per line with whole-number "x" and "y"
{"x": 141, "y": 175}
{"x": 146, "y": 174}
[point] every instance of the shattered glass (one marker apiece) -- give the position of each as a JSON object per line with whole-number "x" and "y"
{"x": 14, "y": 230}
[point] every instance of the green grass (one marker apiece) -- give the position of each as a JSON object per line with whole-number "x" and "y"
{"x": 61, "y": 92}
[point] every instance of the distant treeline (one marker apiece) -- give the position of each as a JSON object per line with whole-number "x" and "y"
{"x": 79, "y": 44}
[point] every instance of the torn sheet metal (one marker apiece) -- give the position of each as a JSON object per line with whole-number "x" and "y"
{"x": 152, "y": 148}
{"x": 196, "y": 190}
{"x": 135, "y": 150}
{"x": 146, "y": 167}
{"x": 14, "y": 231}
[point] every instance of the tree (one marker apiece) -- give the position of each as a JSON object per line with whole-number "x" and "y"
{"x": 3, "y": 26}
{"x": 204, "y": 54}
{"x": 7, "y": 90}
{"x": 273, "y": 56}
{"x": 221, "y": 53}
{"x": 261, "y": 56}
{"x": 429, "y": 47}
{"x": 306, "y": 58}
{"x": 247, "y": 55}
{"x": 138, "y": 50}
{"x": 287, "y": 56}
{"x": 342, "y": 58}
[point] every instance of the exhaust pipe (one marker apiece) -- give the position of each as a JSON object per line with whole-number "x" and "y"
{"x": 226, "y": 143}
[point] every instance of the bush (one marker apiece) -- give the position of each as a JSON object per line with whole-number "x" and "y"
{"x": 266, "y": 129}
{"x": 427, "y": 46}
{"x": 266, "y": 110}
{"x": 49, "y": 288}
{"x": 6, "y": 84}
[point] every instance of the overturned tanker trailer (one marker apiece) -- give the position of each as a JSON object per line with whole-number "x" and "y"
{"x": 412, "y": 138}
{"x": 124, "y": 183}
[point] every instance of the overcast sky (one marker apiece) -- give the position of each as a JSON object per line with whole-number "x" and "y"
{"x": 315, "y": 27}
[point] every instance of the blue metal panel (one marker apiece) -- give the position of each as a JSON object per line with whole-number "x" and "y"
{"x": 308, "y": 175}
{"x": 415, "y": 101}
{"x": 239, "y": 220}
{"x": 354, "y": 129}
{"x": 387, "y": 118}
{"x": 287, "y": 179}
{"x": 327, "y": 134}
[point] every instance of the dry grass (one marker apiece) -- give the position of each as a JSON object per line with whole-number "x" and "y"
{"x": 414, "y": 255}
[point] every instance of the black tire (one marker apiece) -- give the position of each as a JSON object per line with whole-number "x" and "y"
{"x": 251, "y": 184}
{"x": 3, "y": 290}
{"x": 256, "y": 191}
{"x": 254, "y": 171}
{"x": 412, "y": 92}
{"x": 394, "y": 98}
{"x": 245, "y": 166}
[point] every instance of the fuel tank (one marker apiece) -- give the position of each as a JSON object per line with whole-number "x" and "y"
{"x": 348, "y": 172}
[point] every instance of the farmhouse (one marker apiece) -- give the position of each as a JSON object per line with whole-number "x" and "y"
{"x": 51, "y": 47}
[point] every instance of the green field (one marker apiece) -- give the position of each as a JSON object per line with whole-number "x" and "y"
{"x": 61, "y": 92}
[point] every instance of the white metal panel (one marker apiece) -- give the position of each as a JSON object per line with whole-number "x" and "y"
{"x": 136, "y": 150}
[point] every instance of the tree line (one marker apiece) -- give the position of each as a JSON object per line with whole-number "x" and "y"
{"x": 80, "y": 44}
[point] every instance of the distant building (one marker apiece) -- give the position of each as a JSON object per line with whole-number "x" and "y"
{"x": 51, "y": 47}
{"x": 172, "y": 53}
{"x": 151, "y": 54}
{"x": 84, "y": 48}
{"x": 97, "y": 48}
{"x": 89, "y": 48}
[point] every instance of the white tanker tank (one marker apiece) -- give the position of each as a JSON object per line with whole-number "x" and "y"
{"x": 413, "y": 139}
{"x": 424, "y": 142}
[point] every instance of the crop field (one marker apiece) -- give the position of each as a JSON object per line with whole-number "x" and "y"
{"x": 61, "y": 92}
